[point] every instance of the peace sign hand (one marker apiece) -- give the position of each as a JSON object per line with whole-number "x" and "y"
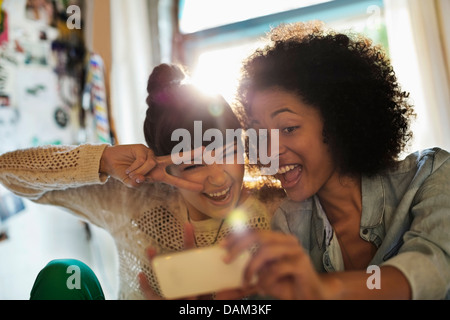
{"x": 135, "y": 164}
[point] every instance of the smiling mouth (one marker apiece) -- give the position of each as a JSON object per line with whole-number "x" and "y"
{"x": 218, "y": 196}
{"x": 289, "y": 174}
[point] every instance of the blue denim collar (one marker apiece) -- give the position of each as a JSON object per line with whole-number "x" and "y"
{"x": 373, "y": 201}
{"x": 373, "y": 206}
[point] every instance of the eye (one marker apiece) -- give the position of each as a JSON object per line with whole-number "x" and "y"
{"x": 289, "y": 130}
{"x": 192, "y": 167}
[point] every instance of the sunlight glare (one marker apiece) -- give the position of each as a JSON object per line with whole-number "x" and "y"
{"x": 218, "y": 71}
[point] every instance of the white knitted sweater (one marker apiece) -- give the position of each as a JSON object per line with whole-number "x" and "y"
{"x": 151, "y": 215}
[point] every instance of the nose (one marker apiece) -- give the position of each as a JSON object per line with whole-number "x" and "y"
{"x": 217, "y": 175}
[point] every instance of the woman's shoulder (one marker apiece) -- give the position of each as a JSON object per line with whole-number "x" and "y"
{"x": 432, "y": 158}
{"x": 417, "y": 171}
{"x": 431, "y": 154}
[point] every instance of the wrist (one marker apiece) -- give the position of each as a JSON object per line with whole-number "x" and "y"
{"x": 103, "y": 169}
{"x": 334, "y": 287}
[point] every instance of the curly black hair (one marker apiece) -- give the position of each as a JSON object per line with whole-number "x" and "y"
{"x": 350, "y": 81}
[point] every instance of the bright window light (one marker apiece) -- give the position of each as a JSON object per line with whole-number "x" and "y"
{"x": 196, "y": 15}
{"x": 216, "y": 68}
{"x": 218, "y": 71}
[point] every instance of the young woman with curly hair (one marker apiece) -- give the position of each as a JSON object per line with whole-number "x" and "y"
{"x": 359, "y": 223}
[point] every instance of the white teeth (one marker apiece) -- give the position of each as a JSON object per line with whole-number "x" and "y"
{"x": 218, "y": 194}
{"x": 287, "y": 168}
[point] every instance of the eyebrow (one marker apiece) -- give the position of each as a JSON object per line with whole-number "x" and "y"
{"x": 277, "y": 112}
{"x": 273, "y": 115}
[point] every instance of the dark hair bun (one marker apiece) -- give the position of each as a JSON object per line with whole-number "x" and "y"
{"x": 164, "y": 76}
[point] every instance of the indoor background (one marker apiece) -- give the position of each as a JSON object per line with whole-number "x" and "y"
{"x": 75, "y": 72}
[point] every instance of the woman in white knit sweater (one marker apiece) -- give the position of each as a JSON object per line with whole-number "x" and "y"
{"x": 126, "y": 190}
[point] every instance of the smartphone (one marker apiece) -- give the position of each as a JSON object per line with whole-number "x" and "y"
{"x": 198, "y": 271}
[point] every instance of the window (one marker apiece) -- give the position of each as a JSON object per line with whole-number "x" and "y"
{"x": 218, "y": 35}
{"x": 197, "y": 15}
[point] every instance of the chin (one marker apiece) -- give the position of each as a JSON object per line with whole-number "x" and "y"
{"x": 220, "y": 214}
{"x": 297, "y": 196}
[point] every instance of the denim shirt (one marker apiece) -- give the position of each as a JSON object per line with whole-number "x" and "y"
{"x": 405, "y": 214}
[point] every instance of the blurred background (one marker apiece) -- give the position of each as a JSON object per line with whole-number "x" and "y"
{"x": 75, "y": 71}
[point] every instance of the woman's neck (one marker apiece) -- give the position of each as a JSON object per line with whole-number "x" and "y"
{"x": 194, "y": 214}
{"x": 341, "y": 198}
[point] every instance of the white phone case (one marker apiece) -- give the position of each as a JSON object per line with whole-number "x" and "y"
{"x": 198, "y": 271}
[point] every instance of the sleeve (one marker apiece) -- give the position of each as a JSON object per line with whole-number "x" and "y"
{"x": 279, "y": 222}
{"x": 424, "y": 257}
{"x": 65, "y": 176}
{"x": 30, "y": 173}
{"x": 295, "y": 218}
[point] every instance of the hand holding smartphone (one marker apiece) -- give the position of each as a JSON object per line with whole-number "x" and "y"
{"x": 198, "y": 271}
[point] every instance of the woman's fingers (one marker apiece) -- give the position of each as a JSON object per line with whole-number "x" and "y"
{"x": 275, "y": 285}
{"x": 147, "y": 167}
{"x": 155, "y": 170}
{"x": 144, "y": 162}
{"x": 277, "y": 258}
{"x": 234, "y": 294}
{"x": 239, "y": 242}
{"x": 135, "y": 164}
{"x": 269, "y": 253}
{"x": 161, "y": 174}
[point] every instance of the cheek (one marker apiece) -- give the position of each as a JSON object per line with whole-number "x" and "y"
{"x": 321, "y": 164}
{"x": 314, "y": 153}
{"x": 189, "y": 196}
{"x": 236, "y": 171}
{"x": 313, "y": 143}
{"x": 196, "y": 176}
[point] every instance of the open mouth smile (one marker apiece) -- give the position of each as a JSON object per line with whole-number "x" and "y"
{"x": 219, "y": 195}
{"x": 289, "y": 175}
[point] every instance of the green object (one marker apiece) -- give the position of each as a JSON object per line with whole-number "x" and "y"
{"x": 66, "y": 279}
